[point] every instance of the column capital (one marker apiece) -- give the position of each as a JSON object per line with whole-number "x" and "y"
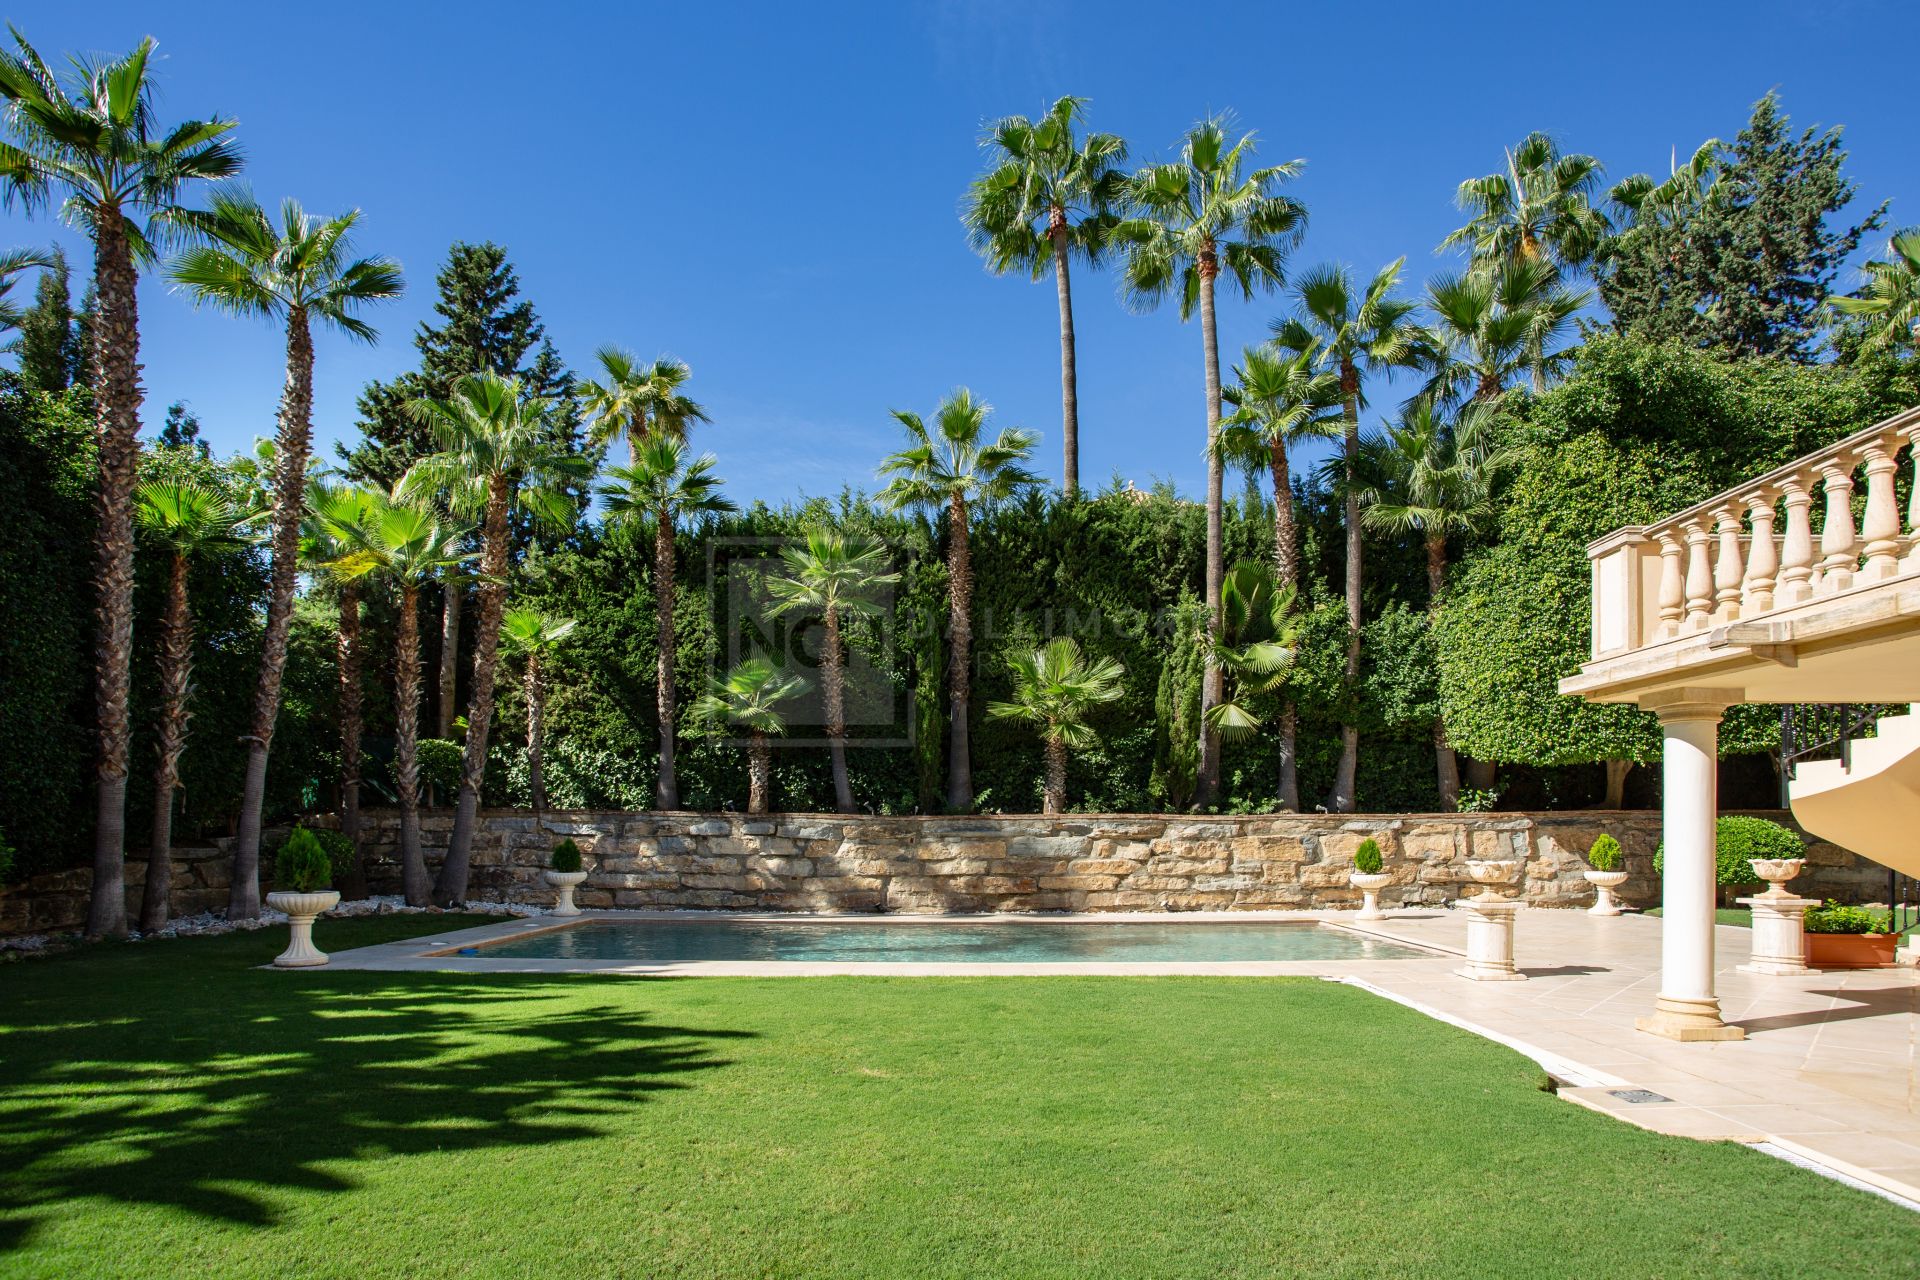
{"x": 1691, "y": 702}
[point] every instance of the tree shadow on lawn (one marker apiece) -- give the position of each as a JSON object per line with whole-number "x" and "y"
{"x": 257, "y": 1081}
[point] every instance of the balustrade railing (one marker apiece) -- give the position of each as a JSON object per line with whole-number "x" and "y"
{"x": 1752, "y": 550}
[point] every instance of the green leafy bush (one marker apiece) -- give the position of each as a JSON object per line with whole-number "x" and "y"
{"x": 1474, "y": 800}
{"x": 440, "y": 762}
{"x": 1835, "y": 918}
{"x": 302, "y": 865}
{"x": 1738, "y": 840}
{"x": 341, "y": 856}
{"x": 1605, "y": 854}
{"x": 1366, "y": 859}
{"x": 566, "y": 856}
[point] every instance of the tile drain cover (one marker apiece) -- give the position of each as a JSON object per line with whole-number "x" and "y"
{"x": 1638, "y": 1095}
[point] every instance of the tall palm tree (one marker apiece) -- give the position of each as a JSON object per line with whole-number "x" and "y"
{"x": 331, "y": 508}
{"x": 1281, "y": 398}
{"x": 95, "y": 142}
{"x": 498, "y": 453}
{"x": 1057, "y": 687}
{"x": 404, "y": 543}
{"x": 297, "y": 269}
{"x": 1494, "y": 326}
{"x": 1539, "y": 207}
{"x": 952, "y": 467}
{"x": 661, "y": 487}
{"x": 535, "y": 635}
{"x": 190, "y": 521}
{"x": 749, "y": 696}
{"x": 1048, "y": 197}
{"x": 834, "y": 576}
{"x": 1357, "y": 333}
{"x": 1433, "y": 477}
{"x": 1193, "y": 219}
{"x": 638, "y": 400}
{"x": 1892, "y": 295}
{"x": 1256, "y": 647}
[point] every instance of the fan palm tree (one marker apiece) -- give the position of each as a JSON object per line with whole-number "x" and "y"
{"x": 12, "y": 263}
{"x": 297, "y": 269}
{"x": 749, "y": 697}
{"x": 96, "y": 143}
{"x": 498, "y": 453}
{"x": 637, "y": 400}
{"x": 406, "y": 544}
{"x": 1056, "y": 687}
{"x": 1892, "y": 295}
{"x": 1540, "y": 207}
{"x": 1193, "y": 219}
{"x": 1434, "y": 478}
{"x": 1256, "y": 647}
{"x": 951, "y": 467}
{"x": 535, "y": 635}
{"x": 1493, "y": 327}
{"x": 331, "y": 508}
{"x": 834, "y": 576}
{"x": 661, "y": 487}
{"x": 1357, "y": 334}
{"x": 1049, "y": 197}
{"x": 1281, "y": 398}
{"x": 190, "y": 521}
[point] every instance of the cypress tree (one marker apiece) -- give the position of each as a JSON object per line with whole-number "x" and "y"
{"x": 50, "y": 344}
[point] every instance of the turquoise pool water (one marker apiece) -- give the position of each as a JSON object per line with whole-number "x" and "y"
{"x": 969, "y": 942}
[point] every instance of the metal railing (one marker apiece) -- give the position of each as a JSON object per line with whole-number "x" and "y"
{"x": 1827, "y": 731}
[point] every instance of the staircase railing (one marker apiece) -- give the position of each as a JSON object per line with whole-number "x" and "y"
{"x": 1826, "y": 731}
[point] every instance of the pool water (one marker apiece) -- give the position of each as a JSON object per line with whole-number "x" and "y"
{"x": 973, "y": 942}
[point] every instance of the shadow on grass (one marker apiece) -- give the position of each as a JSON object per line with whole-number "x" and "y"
{"x": 210, "y": 1086}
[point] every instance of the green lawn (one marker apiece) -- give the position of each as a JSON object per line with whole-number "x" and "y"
{"x": 1742, "y": 916}
{"x": 167, "y": 1110}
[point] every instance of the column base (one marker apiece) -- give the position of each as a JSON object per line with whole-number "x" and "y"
{"x": 1687, "y": 1020}
{"x": 1775, "y": 969}
{"x": 1489, "y": 974}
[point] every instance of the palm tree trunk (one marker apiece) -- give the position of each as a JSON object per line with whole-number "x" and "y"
{"x": 1445, "y": 762}
{"x": 176, "y": 673}
{"x": 451, "y": 888}
{"x": 1206, "y": 773}
{"x": 449, "y": 678}
{"x": 116, "y": 390}
{"x": 666, "y": 789}
{"x": 1055, "y": 797}
{"x": 536, "y": 732}
{"x": 406, "y": 748}
{"x": 1348, "y": 769}
{"x": 959, "y": 655}
{"x": 759, "y": 772}
{"x": 348, "y": 653}
{"x": 833, "y": 688}
{"x": 1069, "y": 374}
{"x": 289, "y": 505}
{"x": 1286, "y": 571}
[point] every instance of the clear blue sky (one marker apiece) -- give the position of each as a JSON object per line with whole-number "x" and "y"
{"x": 770, "y": 191}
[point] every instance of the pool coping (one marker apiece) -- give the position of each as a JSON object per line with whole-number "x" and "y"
{"x": 438, "y": 952}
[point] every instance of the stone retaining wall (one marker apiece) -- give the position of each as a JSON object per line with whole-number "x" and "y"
{"x": 57, "y": 902}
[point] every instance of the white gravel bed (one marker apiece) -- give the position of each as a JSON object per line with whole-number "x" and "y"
{"x": 207, "y": 922}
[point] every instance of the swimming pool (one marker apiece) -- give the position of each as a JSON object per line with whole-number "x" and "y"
{"x": 671, "y": 942}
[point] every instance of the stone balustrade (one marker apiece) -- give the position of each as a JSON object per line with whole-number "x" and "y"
{"x": 1752, "y": 550}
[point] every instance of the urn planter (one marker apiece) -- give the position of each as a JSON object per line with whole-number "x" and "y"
{"x": 1370, "y": 886}
{"x": 1851, "y": 950}
{"x": 302, "y": 910}
{"x": 564, "y": 883}
{"x": 1604, "y": 883}
{"x": 1490, "y": 922}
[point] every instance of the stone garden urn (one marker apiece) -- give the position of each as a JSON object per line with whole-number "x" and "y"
{"x": 1490, "y": 922}
{"x": 564, "y": 883}
{"x": 1604, "y": 883}
{"x": 1779, "y": 920}
{"x": 1491, "y": 874}
{"x": 1370, "y": 887}
{"x": 302, "y": 910}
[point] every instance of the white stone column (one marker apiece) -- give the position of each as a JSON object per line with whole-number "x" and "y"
{"x": 1687, "y": 1008}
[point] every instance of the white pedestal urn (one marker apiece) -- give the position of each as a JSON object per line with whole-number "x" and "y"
{"x": 1490, "y": 923}
{"x": 564, "y": 883}
{"x": 302, "y": 910}
{"x": 1779, "y": 919}
{"x": 1370, "y": 887}
{"x": 1604, "y": 883}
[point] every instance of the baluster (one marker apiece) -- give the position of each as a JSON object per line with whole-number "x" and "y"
{"x": 1796, "y": 549}
{"x": 1880, "y": 525}
{"x": 1672, "y": 595}
{"x": 1913, "y": 500}
{"x": 1726, "y": 567}
{"x": 1699, "y": 575}
{"x": 1838, "y": 555}
{"x": 1763, "y": 558}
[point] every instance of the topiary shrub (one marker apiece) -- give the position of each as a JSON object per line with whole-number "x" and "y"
{"x": 302, "y": 865}
{"x": 1737, "y": 840}
{"x": 1605, "y": 854}
{"x": 1834, "y": 918}
{"x": 1366, "y": 859}
{"x": 566, "y": 856}
{"x": 341, "y": 857}
{"x": 440, "y": 765}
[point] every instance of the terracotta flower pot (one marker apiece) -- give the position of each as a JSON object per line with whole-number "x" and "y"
{"x": 564, "y": 883}
{"x": 302, "y": 910}
{"x": 1370, "y": 885}
{"x": 1851, "y": 950}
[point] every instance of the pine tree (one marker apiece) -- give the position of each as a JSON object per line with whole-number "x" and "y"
{"x": 49, "y": 345}
{"x": 181, "y": 430}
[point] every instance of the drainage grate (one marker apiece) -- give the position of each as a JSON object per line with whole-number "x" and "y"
{"x": 1638, "y": 1095}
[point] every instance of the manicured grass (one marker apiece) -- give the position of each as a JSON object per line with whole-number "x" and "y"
{"x": 1741, "y": 916}
{"x": 168, "y": 1110}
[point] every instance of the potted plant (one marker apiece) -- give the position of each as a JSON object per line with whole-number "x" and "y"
{"x": 565, "y": 874}
{"x": 1738, "y": 842}
{"x": 1849, "y": 937}
{"x": 1369, "y": 879}
{"x": 1605, "y": 875}
{"x": 304, "y": 874}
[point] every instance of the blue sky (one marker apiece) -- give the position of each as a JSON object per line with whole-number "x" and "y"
{"x": 770, "y": 191}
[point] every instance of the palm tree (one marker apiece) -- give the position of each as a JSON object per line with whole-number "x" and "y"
{"x": 1193, "y": 219}
{"x": 535, "y": 636}
{"x": 331, "y": 508}
{"x": 96, "y": 141}
{"x": 1055, "y": 687}
{"x": 297, "y": 269}
{"x": 1279, "y": 399}
{"x": 1494, "y": 326}
{"x": 835, "y": 576}
{"x": 636, "y": 400}
{"x": 1256, "y": 647}
{"x": 12, "y": 263}
{"x": 953, "y": 467}
{"x": 190, "y": 521}
{"x": 1434, "y": 478}
{"x": 661, "y": 486}
{"x": 1540, "y": 207}
{"x": 1356, "y": 334}
{"x": 498, "y": 452}
{"x": 1048, "y": 197}
{"x": 1892, "y": 295}
{"x": 750, "y": 696}
{"x": 404, "y": 543}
